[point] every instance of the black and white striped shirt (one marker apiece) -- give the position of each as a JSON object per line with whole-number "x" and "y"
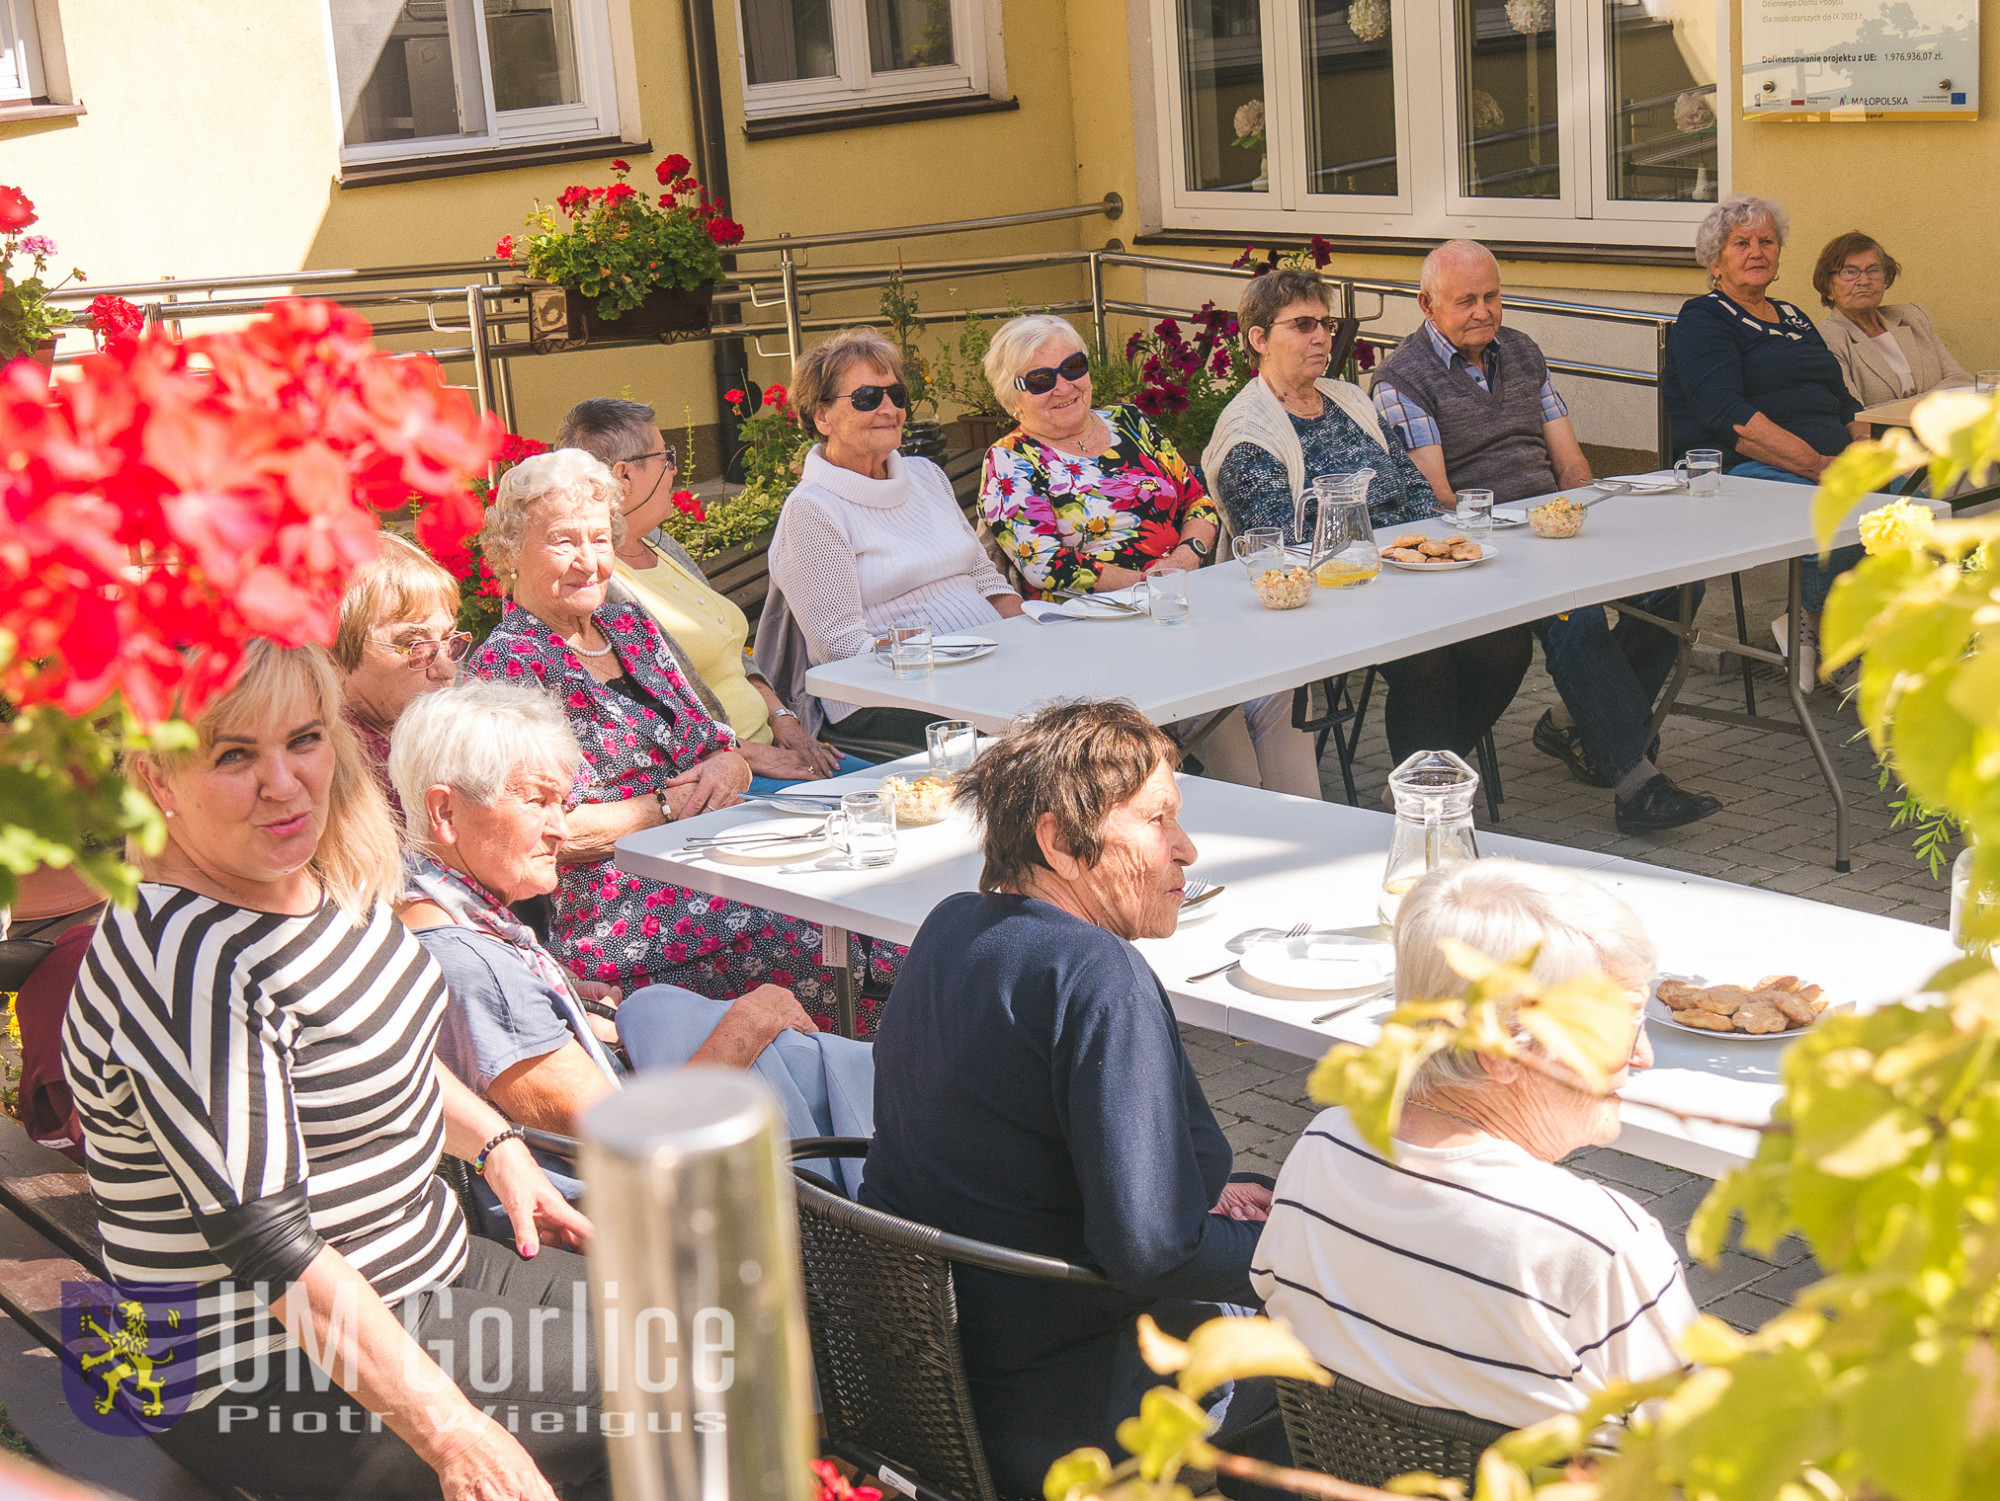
{"x": 220, "y": 1056}
{"x": 1474, "y": 1277}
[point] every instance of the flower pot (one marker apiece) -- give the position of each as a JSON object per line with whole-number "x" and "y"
{"x": 982, "y": 429}
{"x": 922, "y": 439}
{"x": 563, "y": 318}
{"x": 45, "y": 354}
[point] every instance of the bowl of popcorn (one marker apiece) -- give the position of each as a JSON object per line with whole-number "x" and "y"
{"x": 919, "y": 800}
{"x": 1283, "y": 588}
{"x": 1561, "y": 517}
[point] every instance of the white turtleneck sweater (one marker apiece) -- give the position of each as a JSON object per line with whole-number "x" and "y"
{"x": 853, "y": 555}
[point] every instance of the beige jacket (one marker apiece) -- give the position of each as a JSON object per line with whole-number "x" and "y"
{"x": 1868, "y": 374}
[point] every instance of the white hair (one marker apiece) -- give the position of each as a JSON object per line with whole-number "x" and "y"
{"x": 476, "y": 738}
{"x": 1015, "y": 344}
{"x": 563, "y": 471}
{"x": 1731, "y": 215}
{"x": 1451, "y": 250}
{"x": 1501, "y": 907}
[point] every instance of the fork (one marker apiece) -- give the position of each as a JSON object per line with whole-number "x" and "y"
{"x": 1298, "y": 930}
{"x": 1123, "y": 607}
{"x": 1197, "y": 891}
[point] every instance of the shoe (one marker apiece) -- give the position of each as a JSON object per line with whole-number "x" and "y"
{"x": 1661, "y": 805}
{"x": 1808, "y": 646}
{"x": 1566, "y": 745}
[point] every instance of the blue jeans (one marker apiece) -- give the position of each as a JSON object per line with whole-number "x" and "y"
{"x": 1815, "y": 578}
{"x": 763, "y": 786}
{"x": 1610, "y": 678}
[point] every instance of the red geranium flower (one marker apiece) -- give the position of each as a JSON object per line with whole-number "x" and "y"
{"x": 736, "y": 395}
{"x": 618, "y": 192}
{"x": 777, "y": 396}
{"x": 724, "y": 231}
{"x": 572, "y": 199}
{"x": 618, "y": 166}
{"x": 670, "y": 167}
{"x": 114, "y": 317}
{"x": 504, "y": 247}
{"x": 16, "y": 212}
{"x": 689, "y": 505}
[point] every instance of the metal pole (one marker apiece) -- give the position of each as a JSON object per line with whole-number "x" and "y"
{"x": 694, "y": 1270}
{"x": 795, "y": 336}
{"x": 482, "y": 369}
{"x": 503, "y": 376}
{"x": 1797, "y": 687}
{"x": 1664, "y": 428}
{"x": 1097, "y": 302}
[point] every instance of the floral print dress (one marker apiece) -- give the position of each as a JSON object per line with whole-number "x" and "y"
{"x": 1061, "y": 517}
{"x": 625, "y": 929}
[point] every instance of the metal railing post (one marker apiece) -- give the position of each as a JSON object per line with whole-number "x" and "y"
{"x": 795, "y": 336}
{"x": 1349, "y": 369}
{"x": 1664, "y": 426}
{"x": 503, "y": 376}
{"x": 1097, "y": 301}
{"x": 475, "y": 320}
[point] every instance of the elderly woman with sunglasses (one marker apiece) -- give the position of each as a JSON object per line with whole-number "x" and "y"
{"x": 1084, "y": 498}
{"x": 396, "y": 641}
{"x": 1294, "y": 422}
{"x": 870, "y": 537}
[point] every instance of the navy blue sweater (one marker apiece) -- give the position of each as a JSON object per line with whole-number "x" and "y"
{"x": 1031, "y": 1090}
{"x": 1725, "y": 366}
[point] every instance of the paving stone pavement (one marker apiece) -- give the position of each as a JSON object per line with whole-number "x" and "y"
{"x": 1775, "y": 831}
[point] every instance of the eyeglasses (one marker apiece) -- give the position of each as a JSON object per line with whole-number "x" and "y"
{"x": 1307, "y": 325}
{"x": 423, "y": 653}
{"x": 1862, "y": 273}
{"x": 1041, "y": 381}
{"x": 666, "y": 453}
{"x": 867, "y": 398}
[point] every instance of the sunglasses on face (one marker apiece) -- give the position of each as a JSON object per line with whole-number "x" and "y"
{"x": 423, "y": 653}
{"x": 1041, "y": 381}
{"x": 867, "y": 398}
{"x": 1305, "y": 326}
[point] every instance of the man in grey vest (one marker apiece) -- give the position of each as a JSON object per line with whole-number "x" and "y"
{"x": 1476, "y": 409}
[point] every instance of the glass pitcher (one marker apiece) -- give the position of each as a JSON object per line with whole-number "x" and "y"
{"x": 1343, "y": 553}
{"x": 1433, "y": 792}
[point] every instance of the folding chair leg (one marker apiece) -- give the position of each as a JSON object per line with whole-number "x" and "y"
{"x": 1489, "y": 773}
{"x": 1743, "y": 635}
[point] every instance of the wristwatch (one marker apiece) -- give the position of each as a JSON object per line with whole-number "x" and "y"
{"x": 1199, "y": 548}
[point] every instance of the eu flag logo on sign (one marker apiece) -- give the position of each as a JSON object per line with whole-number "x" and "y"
{"x": 128, "y": 1355}
{"x": 1958, "y": 98}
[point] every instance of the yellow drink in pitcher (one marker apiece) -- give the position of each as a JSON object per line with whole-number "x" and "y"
{"x": 1346, "y": 572}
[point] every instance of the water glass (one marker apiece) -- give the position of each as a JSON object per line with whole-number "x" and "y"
{"x": 1986, "y": 382}
{"x": 1167, "y": 594}
{"x": 907, "y": 645}
{"x": 953, "y": 745}
{"x": 1475, "y": 514}
{"x": 863, "y": 829}
{"x": 1259, "y": 549}
{"x": 1702, "y": 470}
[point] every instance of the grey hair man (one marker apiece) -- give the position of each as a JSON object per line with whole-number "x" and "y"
{"x": 1476, "y": 408}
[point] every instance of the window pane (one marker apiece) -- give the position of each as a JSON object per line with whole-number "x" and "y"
{"x": 1222, "y": 95}
{"x": 785, "y": 40}
{"x": 1507, "y": 94}
{"x": 408, "y": 71}
{"x": 1662, "y": 105}
{"x": 1350, "y": 97}
{"x": 532, "y": 45}
{"x": 908, "y": 34}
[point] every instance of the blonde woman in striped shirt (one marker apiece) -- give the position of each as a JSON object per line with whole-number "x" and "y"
{"x": 870, "y": 537}
{"x": 250, "y": 1046}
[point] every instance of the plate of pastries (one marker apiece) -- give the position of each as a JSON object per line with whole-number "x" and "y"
{"x": 1416, "y": 553}
{"x": 1776, "y": 1006}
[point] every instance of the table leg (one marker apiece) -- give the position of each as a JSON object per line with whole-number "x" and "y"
{"x": 1683, "y": 655}
{"x": 837, "y": 955}
{"x": 1797, "y": 689}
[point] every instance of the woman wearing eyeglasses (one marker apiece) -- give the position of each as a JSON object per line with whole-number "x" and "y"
{"x": 1294, "y": 422}
{"x": 1887, "y": 350}
{"x": 398, "y": 639}
{"x": 1084, "y": 498}
{"x": 870, "y": 537}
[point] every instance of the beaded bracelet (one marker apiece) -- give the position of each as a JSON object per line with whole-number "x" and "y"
{"x": 512, "y": 1133}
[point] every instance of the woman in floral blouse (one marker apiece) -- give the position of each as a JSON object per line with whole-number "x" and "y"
{"x": 651, "y": 753}
{"x": 1082, "y": 499}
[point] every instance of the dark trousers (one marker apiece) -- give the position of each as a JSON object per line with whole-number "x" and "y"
{"x": 872, "y": 732}
{"x": 327, "y": 1444}
{"x": 1449, "y": 698}
{"x": 1609, "y": 678}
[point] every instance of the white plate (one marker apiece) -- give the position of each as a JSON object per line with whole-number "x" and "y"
{"x": 1320, "y": 962}
{"x": 971, "y": 649}
{"x": 1487, "y": 553}
{"x": 1664, "y": 482}
{"x": 813, "y": 840}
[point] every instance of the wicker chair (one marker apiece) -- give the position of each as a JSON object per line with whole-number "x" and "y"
{"x": 1365, "y": 1437}
{"x": 884, "y": 1321}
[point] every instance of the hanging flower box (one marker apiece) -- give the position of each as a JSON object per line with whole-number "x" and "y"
{"x": 563, "y": 318}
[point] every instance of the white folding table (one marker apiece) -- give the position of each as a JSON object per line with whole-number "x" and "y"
{"x": 1285, "y": 860}
{"x": 1233, "y": 649}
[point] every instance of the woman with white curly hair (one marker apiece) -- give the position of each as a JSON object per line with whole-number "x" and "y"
{"x": 1472, "y": 1271}
{"x": 1750, "y": 375}
{"x": 652, "y": 752}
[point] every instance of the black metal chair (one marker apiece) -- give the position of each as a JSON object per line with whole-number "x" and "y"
{"x": 1365, "y": 1437}
{"x": 884, "y": 1319}
{"x": 1342, "y": 722}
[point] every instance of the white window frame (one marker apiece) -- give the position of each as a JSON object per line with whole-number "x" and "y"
{"x": 1428, "y": 204}
{"x": 855, "y": 85}
{"x": 593, "y": 117}
{"x": 21, "y": 76}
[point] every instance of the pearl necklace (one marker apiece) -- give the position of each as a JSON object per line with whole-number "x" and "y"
{"x": 584, "y": 651}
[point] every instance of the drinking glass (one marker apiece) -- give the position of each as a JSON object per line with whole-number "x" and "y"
{"x": 1475, "y": 514}
{"x": 1259, "y": 549}
{"x": 907, "y": 645}
{"x": 953, "y": 745}
{"x": 863, "y": 828}
{"x": 1167, "y": 594}
{"x": 1986, "y": 382}
{"x": 1702, "y": 469}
